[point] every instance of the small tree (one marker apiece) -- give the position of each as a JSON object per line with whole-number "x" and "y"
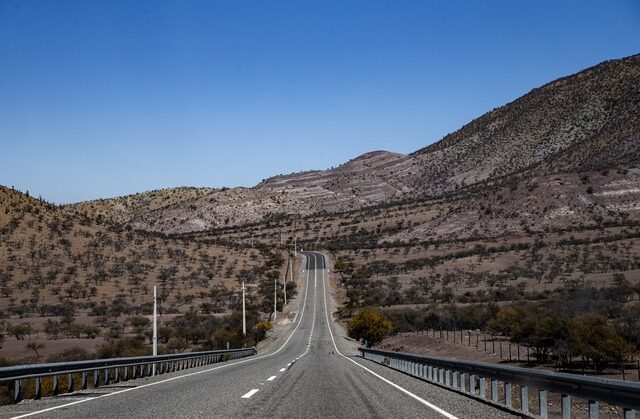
{"x": 370, "y": 326}
{"x": 35, "y": 347}
{"x": 261, "y": 329}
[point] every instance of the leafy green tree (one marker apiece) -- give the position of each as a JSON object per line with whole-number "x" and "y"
{"x": 369, "y": 325}
{"x": 593, "y": 338}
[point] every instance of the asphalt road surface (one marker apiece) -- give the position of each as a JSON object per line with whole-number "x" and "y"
{"x": 309, "y": 372}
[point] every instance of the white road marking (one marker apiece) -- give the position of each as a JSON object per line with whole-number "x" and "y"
{"x": 282, "y": 369}
{"x": 407, "y": 392}
{"x": 249, "y": 394}
{"x": 180, "y": 376}
{"x": 273, "y": 377}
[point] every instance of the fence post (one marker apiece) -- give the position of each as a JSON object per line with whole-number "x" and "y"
{"x": 508, "y": 393}
{"x": 56, "y": 387}
{"x": 566, "y": 406}
{"x": 17, "y": 390}
{"x": 38, "y": 389}
{"x": 593, "y": 409}
{"x": 524, "y": 398}
{"x": 494, "y": 389}
{"x": 542, "y": 403}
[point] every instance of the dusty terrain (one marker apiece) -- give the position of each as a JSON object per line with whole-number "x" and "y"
{"x": 531, "y": 201}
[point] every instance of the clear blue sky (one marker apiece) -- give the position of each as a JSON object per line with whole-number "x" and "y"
{"x": 104, "y": 98}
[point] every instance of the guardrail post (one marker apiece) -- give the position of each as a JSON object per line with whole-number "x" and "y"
{"x": 472, "y": 384}
{"x": 56, "y": 388}
{"x": 106, "y": 376}
{"x": 542, "y": 403}
{"x": 96, "y": 378}
{"x": 524, "y": 398}
{"x": 69, "y": 383}
{"x": 494, "y": 389}
{"x": 483, "y": 391}
{"x": 17, "y": 391}
{"x": 593, "y": 409}
{"x": 83, "y": 379}
{"x": 566, "y": 406}
{"x": 125, "y": 374}
{"x": 116, "y": 374}
{"x": 628, "y": 413}
{"x": 463, "y": 382}
{"x": 508, "y": 401}
{"x": 38, "y": 388}
{"x": 455, "y": 379}
{"x": 447, "y": 378}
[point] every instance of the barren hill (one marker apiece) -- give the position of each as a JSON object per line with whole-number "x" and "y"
{"x": 51, "y": 257}
{"x": 585, "y": 122}
{"x": 123, "y": 209}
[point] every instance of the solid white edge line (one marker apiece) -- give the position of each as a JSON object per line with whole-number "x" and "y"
{"x": 250, "y": 393}
{"x": 405, "y": 391}
{"x": 49, "y": 409}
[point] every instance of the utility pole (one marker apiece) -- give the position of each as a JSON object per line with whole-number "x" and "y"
{"x": 293, "y": 264}
{"x": 275, "y": 297}
{"x": 155, "y": 327}
{"x": 284, "y": 282}
{"x": 295, "y": 238}
{"x": 244, "y": 314}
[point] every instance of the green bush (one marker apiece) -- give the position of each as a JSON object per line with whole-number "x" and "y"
{"x": 370, "y": 326}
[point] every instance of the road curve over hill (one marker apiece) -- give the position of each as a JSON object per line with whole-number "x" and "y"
{"x": 312, "y": 371}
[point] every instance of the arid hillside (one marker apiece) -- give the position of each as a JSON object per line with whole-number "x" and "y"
{"x": 586, "y": 122}
{"x": 123, "y": 209}
{"x": 66, "y": 276}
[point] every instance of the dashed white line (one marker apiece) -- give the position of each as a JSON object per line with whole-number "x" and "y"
{"x": 273, "y": 377}
{"x": 250, "y": 393}
{"x": 282, "y": 369}
{"x": 179, "y": 377}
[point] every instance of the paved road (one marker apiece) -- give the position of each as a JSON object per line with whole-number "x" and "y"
{"x": 311, "y": 371}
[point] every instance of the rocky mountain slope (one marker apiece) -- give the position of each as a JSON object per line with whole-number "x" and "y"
{"x": 589, "y": 121}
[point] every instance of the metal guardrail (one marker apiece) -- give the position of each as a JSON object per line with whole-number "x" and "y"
{"x": 107, "y": 370}
{"x": 470, "y": 377}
